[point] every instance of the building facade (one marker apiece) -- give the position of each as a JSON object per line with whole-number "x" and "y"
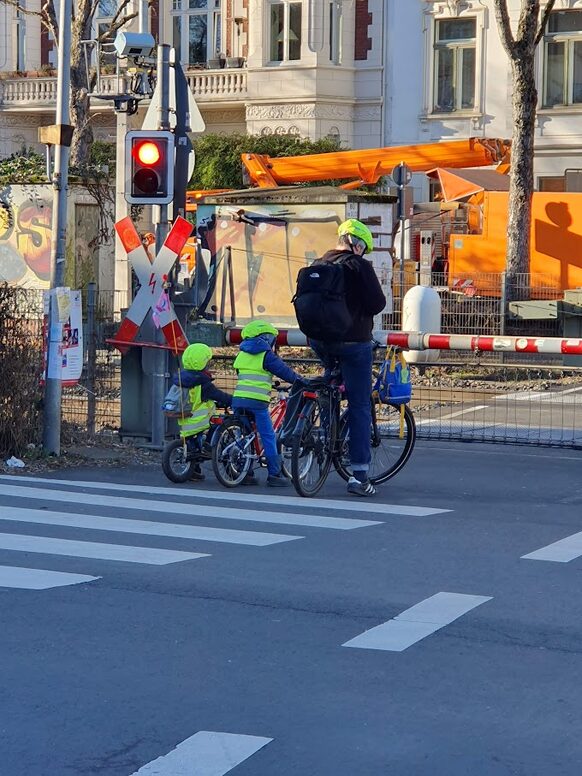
{"x": 307, "y": 67}
{"x": 458, "y": 82}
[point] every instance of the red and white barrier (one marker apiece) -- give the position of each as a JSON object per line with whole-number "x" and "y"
{"x": 422, "y": 341}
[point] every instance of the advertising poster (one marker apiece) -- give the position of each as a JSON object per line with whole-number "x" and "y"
{"x": 65, "y": 335}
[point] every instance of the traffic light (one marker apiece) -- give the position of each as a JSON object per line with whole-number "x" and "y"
{"x": 149, "y": 167}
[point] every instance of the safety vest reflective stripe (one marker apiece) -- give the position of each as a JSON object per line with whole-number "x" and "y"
{"x": 261, "y": 378}
{"x": 262, "y": 392}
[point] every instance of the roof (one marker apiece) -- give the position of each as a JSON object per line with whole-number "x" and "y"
{"x": 458, "y": 184}
{"x": 294, "y": 194}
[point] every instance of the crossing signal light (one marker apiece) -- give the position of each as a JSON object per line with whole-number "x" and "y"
{"x": 149, "y": 164}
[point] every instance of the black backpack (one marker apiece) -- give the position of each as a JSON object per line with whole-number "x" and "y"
{"x": 320, "y": 301}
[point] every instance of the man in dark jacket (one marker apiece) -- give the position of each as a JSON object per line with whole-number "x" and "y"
{"x": 364, "y": 298}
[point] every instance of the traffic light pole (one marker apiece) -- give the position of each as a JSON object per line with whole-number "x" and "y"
{"x": 53, "y": 388}
{"x": 161, "y": 231}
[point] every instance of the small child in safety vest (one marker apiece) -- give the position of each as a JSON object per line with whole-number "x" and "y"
{"x": 203, "y": 394}
{"x": 255, "y": 365}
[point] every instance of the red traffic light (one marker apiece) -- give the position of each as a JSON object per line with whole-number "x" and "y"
{"x": 149, "y": 167}
{"x": 148, "y": 153}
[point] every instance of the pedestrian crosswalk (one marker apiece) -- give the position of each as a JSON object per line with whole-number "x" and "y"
{"x": 116, "y": 511}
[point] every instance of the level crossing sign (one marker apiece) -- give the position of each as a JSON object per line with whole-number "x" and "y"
{"x": 152, "y": 277}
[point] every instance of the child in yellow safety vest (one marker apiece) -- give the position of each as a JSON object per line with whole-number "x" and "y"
{"x": 204, "y": 397}
{"x": 255, "y": 365}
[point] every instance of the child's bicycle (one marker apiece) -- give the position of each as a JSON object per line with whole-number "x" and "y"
{"x": 321, "y": 435}
{"x": 181, "y": 457}
{"x": 236, "y": 445}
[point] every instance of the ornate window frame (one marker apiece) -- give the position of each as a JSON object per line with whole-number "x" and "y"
{"x": 437, "y": 10}
{"x": 576, "y": 108}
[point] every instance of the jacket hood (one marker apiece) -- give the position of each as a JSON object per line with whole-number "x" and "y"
{"x": 255, "y": 345}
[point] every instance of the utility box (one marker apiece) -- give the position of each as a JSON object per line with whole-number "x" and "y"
{"x": 259, "y": 239}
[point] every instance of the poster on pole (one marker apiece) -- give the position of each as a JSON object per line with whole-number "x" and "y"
{"x": 64, "y": 335}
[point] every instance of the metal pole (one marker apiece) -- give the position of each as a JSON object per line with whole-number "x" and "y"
{"x": 161, "y": 230}
{"x": 91, "y": 356}
{"x": 52, "y": 394}
{"x": 142, "y": 16}
{"x": 402, "y": 245}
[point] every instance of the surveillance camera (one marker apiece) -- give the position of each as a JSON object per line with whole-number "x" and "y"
{"x": 134, "y": 44}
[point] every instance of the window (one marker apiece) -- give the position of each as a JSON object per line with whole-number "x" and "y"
{"x": 454, "y": 65}
{"x": 552, "y": 183}
{"x": 196, "y": 30}
{"x": 563, "y": 59}
{"x": 106, "y": 11}
{"x": 284, "y": 31}
{"x": 335, "y": 31}
{"x": 20, "y": 39}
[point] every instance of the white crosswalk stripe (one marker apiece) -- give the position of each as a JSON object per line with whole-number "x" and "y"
{"x": 189, "y": 505}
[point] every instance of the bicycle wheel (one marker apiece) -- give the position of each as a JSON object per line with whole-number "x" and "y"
{"x": 175, "y": 463}
{"x": 231, "y": 453}
{"x": 390, "y": 452}
{"x": 311, "y": 451}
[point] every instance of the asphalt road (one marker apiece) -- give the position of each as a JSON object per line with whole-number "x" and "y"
{"x": 225, "y": 652}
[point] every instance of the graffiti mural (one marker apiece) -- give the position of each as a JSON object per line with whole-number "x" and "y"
{"x": 25, "y": 236}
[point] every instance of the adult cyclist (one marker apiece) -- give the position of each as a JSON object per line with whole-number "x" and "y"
{"x": 364, "y": 298}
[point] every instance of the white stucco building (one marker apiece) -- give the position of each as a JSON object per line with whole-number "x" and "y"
{"x": 447, "y": 76}
{"x": 309, "y": 67}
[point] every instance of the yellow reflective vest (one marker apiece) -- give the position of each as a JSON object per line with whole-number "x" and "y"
{"x": 254, "y": 382}
{"x": 199, "y": 419}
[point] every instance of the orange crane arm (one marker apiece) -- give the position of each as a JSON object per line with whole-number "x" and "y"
{"x": 369, "y": 165}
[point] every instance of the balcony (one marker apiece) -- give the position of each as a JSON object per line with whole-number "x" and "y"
{"x": 39, "y": 93}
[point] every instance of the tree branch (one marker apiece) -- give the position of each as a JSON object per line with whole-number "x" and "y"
{"x": 21, "y": 8}
{"x": 504, "y": 25}
{"x": 544, "y": 20}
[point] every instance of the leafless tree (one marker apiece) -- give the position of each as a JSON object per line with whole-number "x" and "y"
{"x": 521, "y": 49}
{"x": 84, "y": 12}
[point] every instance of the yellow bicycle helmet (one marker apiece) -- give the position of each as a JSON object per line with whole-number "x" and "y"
{"x": 196, "y": 356}
{"x": 359, "y": 230}
{"x": 255, "y": 328}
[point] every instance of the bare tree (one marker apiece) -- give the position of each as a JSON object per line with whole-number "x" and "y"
{"x": 521, "y": 49}
{"x": 84, "y": 12}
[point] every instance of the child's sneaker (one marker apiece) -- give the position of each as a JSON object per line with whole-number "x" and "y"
{"x": 278, "y": 481}
{"x": 250, "y": 479}
{"x": 357, "y": 488}
{"x": 197, "y": 473}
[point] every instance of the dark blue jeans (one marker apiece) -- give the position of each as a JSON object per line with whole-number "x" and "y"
{"x": 355, "y": 361}
{"x": 264, "y": 425}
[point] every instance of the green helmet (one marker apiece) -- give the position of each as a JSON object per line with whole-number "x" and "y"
{"x": 255, "y": 328}
{"x": 196, "y": 356}
{"x": 357, "y": 229}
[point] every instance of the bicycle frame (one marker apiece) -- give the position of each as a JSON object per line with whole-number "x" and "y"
{"x": 277, "y": 413}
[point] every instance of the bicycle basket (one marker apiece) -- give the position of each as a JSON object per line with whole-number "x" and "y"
{"x": 393, "y": 384}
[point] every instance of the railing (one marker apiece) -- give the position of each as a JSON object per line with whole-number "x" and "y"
{"x": 40, "y": 92}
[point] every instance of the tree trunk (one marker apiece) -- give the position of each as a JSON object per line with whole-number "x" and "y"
{"x": 79, "y": 103}
{"x": 521, "y": 184}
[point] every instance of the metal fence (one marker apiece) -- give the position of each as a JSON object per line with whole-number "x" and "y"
{"x": 462, "y": 396}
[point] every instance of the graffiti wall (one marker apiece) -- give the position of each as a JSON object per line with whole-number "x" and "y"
{"x": 25, "y": 235}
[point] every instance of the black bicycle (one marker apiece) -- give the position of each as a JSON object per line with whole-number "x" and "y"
{"x": 321, "y": 436}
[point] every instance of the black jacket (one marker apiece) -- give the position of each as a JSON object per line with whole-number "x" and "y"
{"x": 364, "y": 293}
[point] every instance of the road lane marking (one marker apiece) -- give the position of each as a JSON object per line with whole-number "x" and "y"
{"x": 418, "y": 622}
{"x": 227, "y": 513}
{"x": 553, "y": 397}
{"x": 195, "y": 493}
{"x": 452, "y": 415}
{"x": 206, "y": 753}
{"x": 49, "y": 546}
{"x": 38, "y": 579}
{"x": 562, "y": 551}
{"x": 142, "y": 527}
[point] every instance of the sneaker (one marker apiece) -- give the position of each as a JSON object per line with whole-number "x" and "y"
{"x": 357, "y": 488}
{"x": 250, "y": 479}
{"x": 197, "y": 473}
{"x": 278, "y": 481}
{"x": 206, "y": 451}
